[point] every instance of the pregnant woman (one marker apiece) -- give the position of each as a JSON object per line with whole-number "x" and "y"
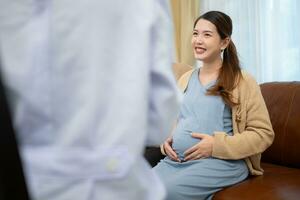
{"x": 223, "y": 125}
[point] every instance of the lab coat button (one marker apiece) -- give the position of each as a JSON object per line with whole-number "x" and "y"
{"x": 112, "y": 165}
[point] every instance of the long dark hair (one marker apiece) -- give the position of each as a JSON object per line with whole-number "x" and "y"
{"x": 230, "y": 72}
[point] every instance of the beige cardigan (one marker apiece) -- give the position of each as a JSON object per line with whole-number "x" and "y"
{"x": 252, "y": 129}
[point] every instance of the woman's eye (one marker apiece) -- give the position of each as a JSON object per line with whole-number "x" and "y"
{"x": 195, "y": 33}
{"x": 207, "y": 35}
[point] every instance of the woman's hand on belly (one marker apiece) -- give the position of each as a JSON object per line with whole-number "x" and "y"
{"x": 202, "y": 149}
{"x": 169, "y": 151}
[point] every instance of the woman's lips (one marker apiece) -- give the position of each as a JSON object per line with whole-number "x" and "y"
{"x": 200, "y": 50}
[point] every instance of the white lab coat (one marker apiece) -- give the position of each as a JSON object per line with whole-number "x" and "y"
{"x": 90, "y": 84}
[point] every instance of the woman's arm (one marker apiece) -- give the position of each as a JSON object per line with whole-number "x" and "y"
{"x": 257, "y": 135}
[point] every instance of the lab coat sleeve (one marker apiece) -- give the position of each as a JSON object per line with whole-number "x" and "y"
{"x": 163, "y": 93}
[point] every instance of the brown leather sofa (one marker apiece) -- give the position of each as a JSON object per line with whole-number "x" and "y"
{"x": 281, "y": 162}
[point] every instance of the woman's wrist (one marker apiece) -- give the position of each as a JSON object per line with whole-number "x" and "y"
{"x": 162, "y": 150}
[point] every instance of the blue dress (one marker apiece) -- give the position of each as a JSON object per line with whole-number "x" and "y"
{"x": 199, "y": 179}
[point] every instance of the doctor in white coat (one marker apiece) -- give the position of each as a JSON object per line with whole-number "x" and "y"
{"x": 89, "y": 85}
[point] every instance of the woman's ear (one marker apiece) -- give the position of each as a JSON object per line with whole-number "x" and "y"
{"x": 225, "y": 42}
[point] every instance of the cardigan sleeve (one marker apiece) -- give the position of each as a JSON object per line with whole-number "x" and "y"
{"x": 258, "y": 134}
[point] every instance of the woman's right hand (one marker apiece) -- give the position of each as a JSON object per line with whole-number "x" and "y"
{"x": 169, "y": 151}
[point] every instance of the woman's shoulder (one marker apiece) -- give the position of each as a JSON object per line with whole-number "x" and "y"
{"x": 186, "y": 75}
{"x": 180, "y": 68}
{"x": 184, "y": 79}
{"x": 245, "y": 86}
{"x": 247, "y": 80}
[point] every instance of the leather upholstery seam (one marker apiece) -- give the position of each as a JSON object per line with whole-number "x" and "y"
{"x": 294, "y": 89}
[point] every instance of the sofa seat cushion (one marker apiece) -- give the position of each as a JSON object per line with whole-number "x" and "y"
{"x": 277, "y": 183}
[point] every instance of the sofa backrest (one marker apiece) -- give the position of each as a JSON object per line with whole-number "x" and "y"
{"x": 283, "y": 103}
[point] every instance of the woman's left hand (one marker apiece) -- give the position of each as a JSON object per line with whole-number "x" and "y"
{"x": 202, "y": 149}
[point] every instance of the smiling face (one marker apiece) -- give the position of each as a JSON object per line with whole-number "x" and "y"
{"x": 206, "y": 42}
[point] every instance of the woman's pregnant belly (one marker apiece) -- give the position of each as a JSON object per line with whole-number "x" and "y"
{"x": 182, "y": 139}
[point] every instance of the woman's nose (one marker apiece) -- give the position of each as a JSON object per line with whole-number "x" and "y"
{"x": 198, "y": 39}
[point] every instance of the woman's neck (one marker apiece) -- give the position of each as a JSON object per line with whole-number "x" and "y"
{"x": 212, "y": 67}
{"x": 209, "y": 71}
